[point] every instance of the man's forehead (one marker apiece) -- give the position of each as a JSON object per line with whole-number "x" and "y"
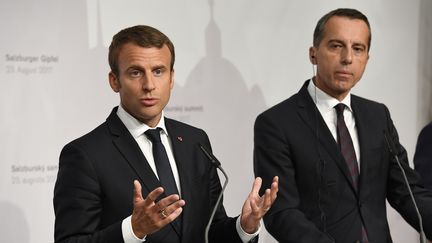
{"x": 344, "y": 28}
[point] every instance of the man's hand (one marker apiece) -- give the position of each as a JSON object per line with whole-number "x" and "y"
{"x": 255, "y": 207}
{"x": 148, "y": 216}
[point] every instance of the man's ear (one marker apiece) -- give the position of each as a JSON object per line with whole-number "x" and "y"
{"x": 312, "y": 55}
{"x": 172, "y": 79}
{"x": 114, "y": 82}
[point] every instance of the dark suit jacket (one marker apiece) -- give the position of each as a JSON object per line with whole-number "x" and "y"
{"x": 94, "y": 187}
{"x": 316, "y": 201}
{"x": 423, "y": 156}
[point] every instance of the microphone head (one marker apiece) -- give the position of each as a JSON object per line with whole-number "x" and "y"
{"x": 210, "y": 156}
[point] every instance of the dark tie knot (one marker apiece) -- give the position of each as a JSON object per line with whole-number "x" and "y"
{"x": 153, "y": 135}
{"x": 340, "y": 109}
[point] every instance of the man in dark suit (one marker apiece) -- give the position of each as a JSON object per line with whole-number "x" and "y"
{"x": 328, "y": 148}
{"x": 423, "y": 156}
{"x": 140, "y": 176}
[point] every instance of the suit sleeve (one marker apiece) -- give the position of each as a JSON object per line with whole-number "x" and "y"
{"x": 397, "y": 194}
{"x": 423, "y": 156}
{"x": 272, "y": 156}
{"x": 77, "y": 201}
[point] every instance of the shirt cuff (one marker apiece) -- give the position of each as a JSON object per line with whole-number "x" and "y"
{"x": 246, "y": 237}
{"x": 127, "y": 232}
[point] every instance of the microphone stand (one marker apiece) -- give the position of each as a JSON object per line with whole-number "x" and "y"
{"x": 216, "y": 163}
{"x": 392, "y": 150}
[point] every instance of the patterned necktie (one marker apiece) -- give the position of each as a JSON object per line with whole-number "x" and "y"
{"x": 347, "y": 149}
{"x": 346, "y": 145}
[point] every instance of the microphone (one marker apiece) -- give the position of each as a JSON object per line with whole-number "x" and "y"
{"x": 216, "y": 163}
{"x": 211, "y": 157}
{"x": 392, "y": 149}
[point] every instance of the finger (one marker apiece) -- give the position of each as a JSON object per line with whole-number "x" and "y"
{"x": 256, "y": 186}
{"x": 255, "y": 204}
{"x": 172, "y": 216}
{"x": 274, "y": 188}
{"x": 153, "y": 195}
{"x": 166, "y": 201}
{"x": 170, "y": 209}
{"x": 276, "y": 179}
{"x": 137, "y": 192}
{"x": 267, "y": 200}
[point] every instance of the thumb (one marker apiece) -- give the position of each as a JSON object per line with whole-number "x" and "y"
{"x": 137, "y": 192}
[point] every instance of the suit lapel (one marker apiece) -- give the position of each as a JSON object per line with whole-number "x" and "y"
{"x": 180, "y": 146}
{"x": 310, "y": 115}
{"x": 130, "y": 150}
{"x": 365, "y": 138}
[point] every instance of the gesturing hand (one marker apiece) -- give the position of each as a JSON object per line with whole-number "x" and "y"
{"x": 255, "y": 207}
{"x": 149, "y": 216}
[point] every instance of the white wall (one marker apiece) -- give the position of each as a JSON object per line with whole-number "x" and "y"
{"x": 244, "y": 55}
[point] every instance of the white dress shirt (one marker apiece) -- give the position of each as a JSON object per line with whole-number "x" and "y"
{"x": 325, "y": 104}
{"x": 137, "y": 130}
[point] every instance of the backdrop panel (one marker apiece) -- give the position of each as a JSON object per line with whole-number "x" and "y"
{"x": 234, "y": 59}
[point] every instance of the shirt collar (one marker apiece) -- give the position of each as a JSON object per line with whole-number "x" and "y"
{"x": 325, "y": 102}
{"x": 135, "y": 127}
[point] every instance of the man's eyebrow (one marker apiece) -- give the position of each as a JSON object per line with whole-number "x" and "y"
{"x": 159, "y": 66}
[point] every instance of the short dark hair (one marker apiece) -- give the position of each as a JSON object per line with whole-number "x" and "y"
{"x": 141, "y": 35}
{"x": 341, "y": 12}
